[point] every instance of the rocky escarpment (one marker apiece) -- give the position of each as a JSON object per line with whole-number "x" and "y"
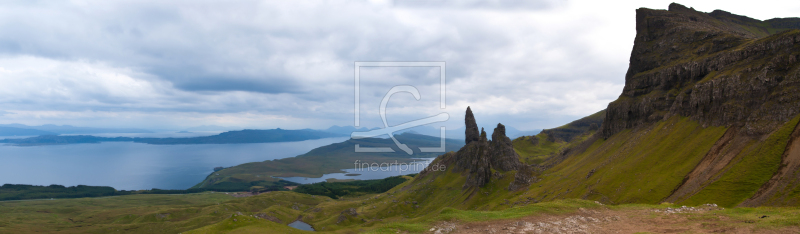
{"x": 717, "y": 68}
{"x": 481, "y": 155}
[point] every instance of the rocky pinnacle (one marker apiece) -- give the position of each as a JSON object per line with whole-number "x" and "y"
{"x": 471, "y": 132}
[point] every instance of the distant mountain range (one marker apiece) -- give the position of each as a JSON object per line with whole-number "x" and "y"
{"x": 10, "y": 131}
{"x": 231, "y": 137}
{"x": 50, "y": 129}
{"x": 210, "y": 128}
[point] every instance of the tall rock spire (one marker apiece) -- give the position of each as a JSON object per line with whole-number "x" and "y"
{"x": 471, "y": 132}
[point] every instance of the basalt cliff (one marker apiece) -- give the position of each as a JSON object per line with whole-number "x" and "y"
{"x": 717, "y": 68}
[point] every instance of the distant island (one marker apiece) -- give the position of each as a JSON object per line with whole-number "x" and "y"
{"x": 231, "y": 137}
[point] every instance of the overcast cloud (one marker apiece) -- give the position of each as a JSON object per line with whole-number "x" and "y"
{"x": 290, "y": 64}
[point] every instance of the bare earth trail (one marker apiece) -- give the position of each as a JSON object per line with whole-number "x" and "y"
{"x": 702, "y": 219}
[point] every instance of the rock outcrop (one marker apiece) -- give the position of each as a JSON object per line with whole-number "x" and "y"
{"x": 345, "y": 214}
{"x": 481, "y": 155}
{"x": 503, "y": 156}
{"x": 522, "y": 178}
{"x": 471, "y": 131}
{"x": 718, "y": 68}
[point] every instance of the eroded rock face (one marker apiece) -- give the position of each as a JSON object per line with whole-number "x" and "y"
{"x": 522, "y": 178}
{"x": 709, "y": 68}
{"x": 480, "y": 155}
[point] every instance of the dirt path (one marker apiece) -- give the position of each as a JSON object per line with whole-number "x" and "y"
{"x": 670, "y": 220}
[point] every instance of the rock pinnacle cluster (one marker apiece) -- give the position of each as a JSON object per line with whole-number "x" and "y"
{"x": 480, "y": 155}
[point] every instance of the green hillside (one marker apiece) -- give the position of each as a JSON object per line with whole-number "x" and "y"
{"x": 642, "y": 166}
{"x": 145, "y": 213}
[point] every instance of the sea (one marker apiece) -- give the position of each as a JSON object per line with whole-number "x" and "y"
{"x": 136, "y": 166}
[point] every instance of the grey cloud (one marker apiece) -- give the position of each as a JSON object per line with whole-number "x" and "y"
{"x": 293, "y": 58}
{"x": 217, "y": 83}
{"x": 491, "y": 4}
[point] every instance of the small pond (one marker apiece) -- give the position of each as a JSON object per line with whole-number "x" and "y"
{"x": 301, "y": 225}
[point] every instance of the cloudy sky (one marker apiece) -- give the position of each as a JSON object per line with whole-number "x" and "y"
{"x": 290, "y": 64}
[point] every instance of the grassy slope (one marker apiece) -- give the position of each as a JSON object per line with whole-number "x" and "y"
{"x": 641, "y": 166}
{"x": 632, "y": 166}
{"x": 749, "y": 170}
{"x": 536, "y": 153}
{"x": 645, "y": 165}
{"x": 439, "y": 196}
{"x": 247, "y": 224}
{"x": 144, "y": 213}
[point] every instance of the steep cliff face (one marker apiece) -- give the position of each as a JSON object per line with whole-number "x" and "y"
{"x": 718, "y": 68}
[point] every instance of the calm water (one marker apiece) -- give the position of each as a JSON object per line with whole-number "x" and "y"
{"x": 301, "y": 225}
{"x": 133, "y": 166}
{"x": 369, "y": 173}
